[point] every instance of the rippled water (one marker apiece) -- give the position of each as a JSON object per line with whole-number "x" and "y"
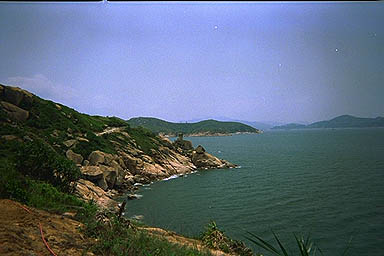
{"x": 326, "y": 182}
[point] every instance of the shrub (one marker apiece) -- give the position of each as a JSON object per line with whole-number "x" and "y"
{"x": 12, "y": 185}
{"x": 214, "y": 238}
{"x": 38, "y": 160}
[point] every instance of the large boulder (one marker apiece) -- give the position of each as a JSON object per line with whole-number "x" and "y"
{"x": 96, "y": 157}
{"x": 205, "y": 160}
{"x": 109, "y": 174}
{"x": 183, "y": 144}
{"x": 69, "y": 143}
{"x": 96, "y": 175}
{"x": 202, "y": 159}
{"x": 92, "y": 173}
{"x": 14, "y": 112}
{"x": 89, "y": 191}
{"x": 130, "y": 162}
{"x": 200, "y": 149}
{"x": 76, "y": 158}
{"x": 16, "y": 96}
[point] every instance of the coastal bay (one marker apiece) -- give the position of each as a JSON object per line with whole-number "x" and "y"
{"x": 324, "y": 182}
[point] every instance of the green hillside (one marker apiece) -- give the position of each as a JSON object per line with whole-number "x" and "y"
{"x": 208, "y": 127}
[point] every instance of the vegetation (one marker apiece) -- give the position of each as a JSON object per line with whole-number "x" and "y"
{"x": 36, "y": 159}
{"x": 214, "y": 238}
{"x": 207, "y": 126}
{"x": 305, "y": 246}
{"x": 119, "y": 237}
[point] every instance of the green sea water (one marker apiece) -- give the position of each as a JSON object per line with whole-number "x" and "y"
{"x": 329, "y": 183}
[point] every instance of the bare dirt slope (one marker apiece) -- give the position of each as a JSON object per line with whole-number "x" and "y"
{"x": 20, "y": 232}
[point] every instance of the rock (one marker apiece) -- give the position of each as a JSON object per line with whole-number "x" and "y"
{"x": 55, "y": 133}
{"x": 10, "y": 137}
{"x": 16, "y": 96}
{"x": 89, "y": 191}
{"x": 141, "y": 179}
{"x": 227, "y": 164}
{"x": 205, "y": 160}
{"x": 115, "y": 166}
{"x": 69, "y": 143}
{"x": 183, "y": 144}
{"x": 133, "y": 196}
{"x": 129, "y": 179}
{"x": 130, "y": 162}
{"x": 121, "y": 163}
{"x": 200, "y": 149}
{"x": 166, "y": 141}
{"x": 58, "y": 106}
{"x": 102, "y": 184}
{"x": 82, "y": 139}
{"x": 92, "y": 173}
{"x": 96, "y": 157}
{"x": 14, "y": 112}
{"x": 108, "y": 158}
{"x": 76, "y": 158}
{"x": 85, "y": 162}
{"x": 109, "y": 174}
{"x": 147, "y": 159}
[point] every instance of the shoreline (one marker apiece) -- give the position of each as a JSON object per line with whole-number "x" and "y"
{"x": 207, "y": 134}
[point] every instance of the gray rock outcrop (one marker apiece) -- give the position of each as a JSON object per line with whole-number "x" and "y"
{"x": 74, "y": 157}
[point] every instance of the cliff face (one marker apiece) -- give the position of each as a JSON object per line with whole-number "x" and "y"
{"x": 110, "y": 155}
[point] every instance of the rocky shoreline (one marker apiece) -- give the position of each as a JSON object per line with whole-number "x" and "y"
{"x": 139, "y": 156}
{"x": 210, "y": 134}
{"x": 108, "y": 176}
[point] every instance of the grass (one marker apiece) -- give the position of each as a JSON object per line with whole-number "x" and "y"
{"x": 305, "y": 246}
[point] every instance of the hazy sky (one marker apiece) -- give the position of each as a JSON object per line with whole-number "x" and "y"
{"x": 253, "y": 61}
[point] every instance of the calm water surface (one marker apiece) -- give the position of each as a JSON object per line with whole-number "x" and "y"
{"x": 328, "y": 183}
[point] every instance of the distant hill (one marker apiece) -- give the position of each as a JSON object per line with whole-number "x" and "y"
{"x": 206, "y": 127}
{"x": 289, "y": 126}
{"x": 344, "y": 121}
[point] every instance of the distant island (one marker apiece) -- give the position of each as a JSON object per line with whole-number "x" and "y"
{"x": 344, "y": 121}
{"x": 202, "y": 128}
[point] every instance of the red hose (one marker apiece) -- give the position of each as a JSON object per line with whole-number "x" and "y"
{"x": 45, "y": 242}
{"x": 41, "y": 230}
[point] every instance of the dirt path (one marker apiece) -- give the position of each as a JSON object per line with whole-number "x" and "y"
{"x": 110, "y": 130}
{"x": 20, "y": 232}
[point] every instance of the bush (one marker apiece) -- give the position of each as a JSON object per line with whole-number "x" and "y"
{"x": 38, "y": 160}
{"x": 214, "y": 238}
{"x": 95, "y": 143}
{"x": 144, "y": 138}
{"x": 12, "y": 185}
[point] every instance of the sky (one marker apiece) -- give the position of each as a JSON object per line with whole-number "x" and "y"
{"x": 281, "y": 62}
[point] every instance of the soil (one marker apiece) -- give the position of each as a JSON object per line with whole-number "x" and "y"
{"x": 20, "y": 232}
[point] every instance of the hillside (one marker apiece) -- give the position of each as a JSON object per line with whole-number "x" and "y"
{"x": 88, "y": 150}
{"x": 57, "y": 159}
{"x": 289, "y": 126}
{"x": 344, "y": 121}
{"x": 207, "y": 127}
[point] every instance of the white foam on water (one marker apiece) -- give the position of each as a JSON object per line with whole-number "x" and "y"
{"x": 171, "y": 177}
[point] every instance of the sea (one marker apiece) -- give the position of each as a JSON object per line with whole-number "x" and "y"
{"x": 324, "y": 183}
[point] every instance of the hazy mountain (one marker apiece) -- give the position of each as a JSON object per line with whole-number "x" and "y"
{"x": 344, "y": 121}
